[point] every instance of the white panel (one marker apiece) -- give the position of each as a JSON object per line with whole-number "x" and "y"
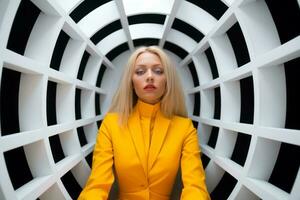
{"x": 204, "y": 132}
{"x": 214, "y": 173}
{"x": 92, "y": 69}
{"x": 5, "y": 182}
{"x": 87, "y": 104}
{"x": 111, "y": 41}
{"x": 49, "y": 7}
{"x": 8, "y": 10}
{"x": 225, "y": 143}
{"x": 45, "y": 31}
{"x": 266, "y": 190}
{"x": 65, "y": 165}
{"x": 110, "y": 84}
{"x": 33, "y": 189}
{"x": 53, "y": 193}
{"x": 65, "y": 103}
{"x": 32, "y": 102}
{"x": 1, "y": 193}
{"x": 37, "y": 157}
{"x": 196, "y": 17}
{"x": 186, "y": 80}
{"x": 295, "y": 193}
{"x": 243, "y": 193}
{"x": 133, "y": 7}
{"x": 223, "y": 54}
{"x": 230, "y": 97}
{"x": 72, "y": 29}
{"x": 3, "y": 6}
{"x": 64, "y": 193}
{"x": 70, "y": 142}
{"x": 59, "y": 77}
{"x": 227, "y": 2}
{"x": 169, "y": 21}
{"x": 185, "y": 77}
{"x": 190, "y": 102}
{"x": 98, "y": 18}
{"x": 90, "y": 131}
{"x": 175, "y": 59}
{"x": 181, "y": 40}
{"x": 23, "y": 64}
{"x": 124, "y": 23}
{"x": 234, "y": 169}
{"x": 207, "y": 103}
{"x": 202, "y": 68}
{"x": 270, "y": 113}
{"x": 145, "y": 30}
{"x": 69, "y": 5}
{"x": 258, "y": 27}
{"x": 264, "y": 150}
{"x": 81, "y": 173}
{"x": 72, "y": 56}
{"x": 88, "y": 148}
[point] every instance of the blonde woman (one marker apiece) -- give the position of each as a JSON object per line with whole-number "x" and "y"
{"x": 146, "y": 137}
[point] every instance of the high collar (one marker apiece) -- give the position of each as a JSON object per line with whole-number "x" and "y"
{"x": 158, "y": 136}
{"x": 146, "y": 109}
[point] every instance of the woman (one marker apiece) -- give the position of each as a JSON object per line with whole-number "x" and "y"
{"x": 146, "y": 138}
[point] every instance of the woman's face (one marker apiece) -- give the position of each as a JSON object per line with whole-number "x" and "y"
{"x": 149, "y": 79}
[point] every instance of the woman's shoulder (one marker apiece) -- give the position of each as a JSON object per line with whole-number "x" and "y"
{"x": 182, "y": 124}
{"x": 111, "y": 116}
{"x": 181, "y": 119}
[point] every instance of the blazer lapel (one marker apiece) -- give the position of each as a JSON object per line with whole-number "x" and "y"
{"x": 137, "y": 137}
{"x": 159, "y": 133}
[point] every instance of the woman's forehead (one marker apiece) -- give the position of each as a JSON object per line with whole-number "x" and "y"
{"x": 148, "y": 57}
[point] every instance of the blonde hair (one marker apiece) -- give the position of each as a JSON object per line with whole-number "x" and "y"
{"x": 172, "y": 102}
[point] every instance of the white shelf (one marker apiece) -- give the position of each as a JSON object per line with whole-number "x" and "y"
{"x": 135, "y": 7}
{"x": 67, "y": 164}
{"x": 196, "y": 17}
{"x": 23, "y": 64}
{"x": 265, "y": 190}
{"x": 45, "y": 31}
{"x": 90, "y": 24}
{"x": 88, "y": 148}
{"x": 181, "y": 40}
{"x": 33, "y": 189}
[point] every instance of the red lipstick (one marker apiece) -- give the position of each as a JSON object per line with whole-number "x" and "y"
{"x": 149, "y": 87}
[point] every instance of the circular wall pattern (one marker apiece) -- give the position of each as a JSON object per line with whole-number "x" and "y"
{"x": 60, "y": 63}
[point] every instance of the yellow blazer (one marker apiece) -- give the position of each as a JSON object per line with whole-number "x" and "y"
{"x": 121, "y": 151}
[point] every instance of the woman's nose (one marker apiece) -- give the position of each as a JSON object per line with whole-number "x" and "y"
{"x": 149, "y": 75}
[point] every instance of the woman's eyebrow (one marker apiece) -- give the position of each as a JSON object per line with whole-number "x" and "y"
{"x": 154, "y": 65}
{"x": 140, "y": 66}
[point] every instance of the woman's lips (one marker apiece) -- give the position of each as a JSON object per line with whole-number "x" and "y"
{"x": 149, "y": 87}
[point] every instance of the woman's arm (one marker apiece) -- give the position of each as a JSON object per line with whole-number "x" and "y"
{"x": 193, "y": 175}
{"x": 101, "y": 178}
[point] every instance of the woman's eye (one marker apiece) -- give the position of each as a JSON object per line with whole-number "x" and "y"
{"x": 140, "y": 72}
{"x": 158, "y": 71}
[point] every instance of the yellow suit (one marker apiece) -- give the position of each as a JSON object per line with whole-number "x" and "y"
{"x": 146, "y": 175}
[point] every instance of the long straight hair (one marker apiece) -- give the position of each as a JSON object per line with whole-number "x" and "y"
{"x": 125, "y": 98}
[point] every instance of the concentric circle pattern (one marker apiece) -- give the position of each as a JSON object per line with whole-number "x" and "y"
{"x": 239, "y": 63}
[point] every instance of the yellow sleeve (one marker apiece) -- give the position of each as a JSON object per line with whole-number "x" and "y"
{"x": 101, "y": 178}
{"x": 193, "y": 174}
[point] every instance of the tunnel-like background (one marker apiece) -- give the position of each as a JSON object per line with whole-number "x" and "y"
{"x": 239, "y": 63}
